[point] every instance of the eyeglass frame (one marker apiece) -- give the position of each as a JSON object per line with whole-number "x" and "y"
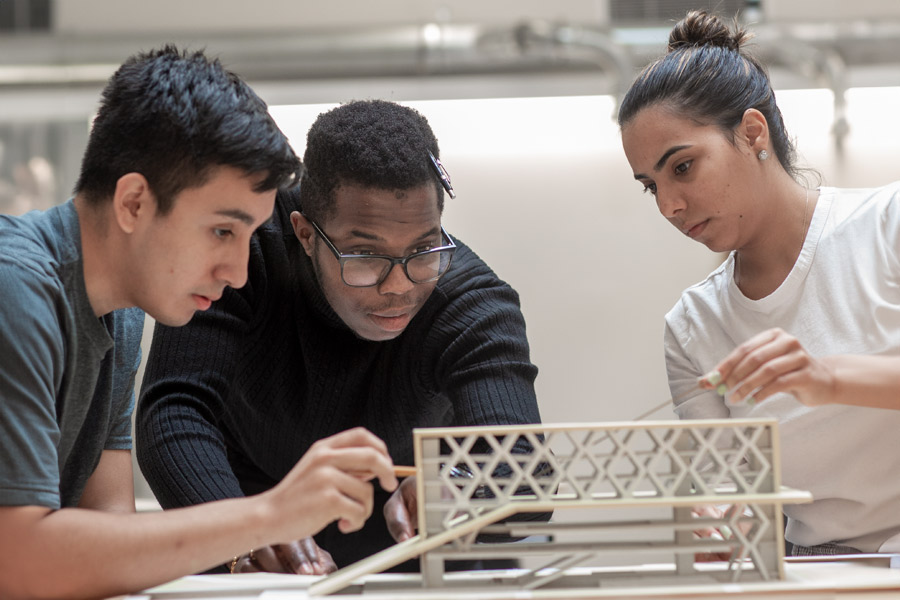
{"x": 343, "y": 258}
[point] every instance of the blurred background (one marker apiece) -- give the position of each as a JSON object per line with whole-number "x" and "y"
{"x": 522, "y": 95}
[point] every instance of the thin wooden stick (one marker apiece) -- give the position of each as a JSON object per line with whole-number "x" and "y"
{"x": 404, "y": 471}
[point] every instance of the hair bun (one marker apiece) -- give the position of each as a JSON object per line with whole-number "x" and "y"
{"x": 699, "y": 28}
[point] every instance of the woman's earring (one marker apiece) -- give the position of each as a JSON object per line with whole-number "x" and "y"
{"x": 763, "y": 155}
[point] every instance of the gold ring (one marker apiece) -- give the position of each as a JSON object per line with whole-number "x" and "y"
{"x": 233, "y": 564}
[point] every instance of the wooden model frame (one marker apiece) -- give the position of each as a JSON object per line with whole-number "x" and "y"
{"x": 470, "y": 480}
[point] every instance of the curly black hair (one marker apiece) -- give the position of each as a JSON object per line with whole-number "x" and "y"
{"x": 370, "y": 143}
{"x": 174, "y": 117}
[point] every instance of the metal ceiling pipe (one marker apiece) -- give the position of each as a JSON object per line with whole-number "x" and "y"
{"x": 820, "y": 52}
{"x": 427, "y": 49}
{"x": 418, "y": 50}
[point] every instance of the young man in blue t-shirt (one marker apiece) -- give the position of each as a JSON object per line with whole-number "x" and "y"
{"x": 182, "y": 165}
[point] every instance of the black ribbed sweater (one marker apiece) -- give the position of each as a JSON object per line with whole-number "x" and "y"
{"x": 231, "y": 401}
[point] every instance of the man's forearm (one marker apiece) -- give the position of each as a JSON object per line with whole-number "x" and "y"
{"x": 50, "y": 554}
{"x": 78, "y": 553}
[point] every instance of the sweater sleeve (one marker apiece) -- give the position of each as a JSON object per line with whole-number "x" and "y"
{"x": 483, "y": 363}
{"x": 179, "y": 441}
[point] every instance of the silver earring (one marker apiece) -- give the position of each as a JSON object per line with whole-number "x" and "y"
{"x": 763, "y": 155}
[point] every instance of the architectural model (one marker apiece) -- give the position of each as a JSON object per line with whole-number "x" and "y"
{"x": 632, "y": 488}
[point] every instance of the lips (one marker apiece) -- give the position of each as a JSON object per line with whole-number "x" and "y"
{"x": 392, "y": 314}
{"x": 393, "y": 320}
{"x": 695, "y": 230}
{"x": 204, "y": 302}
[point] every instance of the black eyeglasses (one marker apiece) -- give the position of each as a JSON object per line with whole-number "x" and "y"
{"x": 366, "y": 270}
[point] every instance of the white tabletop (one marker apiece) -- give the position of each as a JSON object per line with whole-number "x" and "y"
{"x": 859, "y": 578}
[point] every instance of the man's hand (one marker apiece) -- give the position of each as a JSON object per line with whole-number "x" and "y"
{"x": 302, "y": 557}
{"x": 331, "y": 483}
{"x": 401, "y": 510}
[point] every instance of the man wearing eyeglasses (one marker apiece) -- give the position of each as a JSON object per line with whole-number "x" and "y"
{"x": 360, "y": 309}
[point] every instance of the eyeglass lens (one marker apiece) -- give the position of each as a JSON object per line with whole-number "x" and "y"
{"x": 366, "y": 270}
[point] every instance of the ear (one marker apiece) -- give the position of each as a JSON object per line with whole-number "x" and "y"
{"x": 754, "y": 130}
{"x": 132, "y": 201}
{"x": 303, "y": 230}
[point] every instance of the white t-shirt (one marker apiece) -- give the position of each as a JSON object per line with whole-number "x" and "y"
{"x": 841, "y": 297}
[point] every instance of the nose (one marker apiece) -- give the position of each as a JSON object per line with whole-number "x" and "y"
{"x": 396, "y": 282}
{"x": 232, "y": 271}
{"x": 669, "y": 204}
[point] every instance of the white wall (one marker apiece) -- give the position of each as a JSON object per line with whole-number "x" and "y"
{"x": 546, "y": 197}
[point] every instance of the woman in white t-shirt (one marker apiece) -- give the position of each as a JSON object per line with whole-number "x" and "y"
{"x": 802, "y": 321}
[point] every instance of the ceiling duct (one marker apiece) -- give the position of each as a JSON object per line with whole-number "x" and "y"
{"x": 433, "y": 49}
{"x": 821, "y": 54}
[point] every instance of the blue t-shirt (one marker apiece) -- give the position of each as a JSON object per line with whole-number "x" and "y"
{"x": 66, "y": 376}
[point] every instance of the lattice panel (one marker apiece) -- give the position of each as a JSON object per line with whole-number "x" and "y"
{"x": 469, "y": 471}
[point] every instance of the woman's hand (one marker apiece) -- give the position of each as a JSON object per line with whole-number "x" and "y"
{"x": 771, "y": 362}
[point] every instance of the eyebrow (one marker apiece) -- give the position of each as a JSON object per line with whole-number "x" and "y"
{"x": 662, "y": 161}
{"x": 375, "y": 238}
{"x": 238, "y": 215}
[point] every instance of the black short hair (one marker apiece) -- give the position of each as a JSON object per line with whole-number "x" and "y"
{"x": 370, "y": 143}
{"x": 174, "y": 117}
